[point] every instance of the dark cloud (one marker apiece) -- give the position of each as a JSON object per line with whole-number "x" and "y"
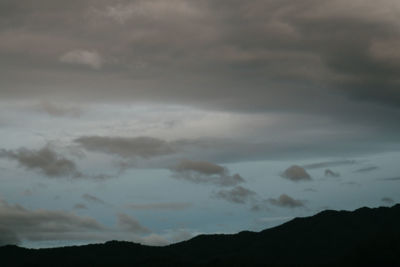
{"x": 238, "y": 194}
{"x": 44, "y": 160}
{"x": 144, "y": 147}
{"x": 92, "y": 199}
{"x": 129, "y": 224}
{"x": 296, "y": 173}
{"x": 48, "y": 162}
{"x": 18, "y": 223}
{"x": 332, "y": 163}
{"x": 330, "y": 173}
{"x": 387, "y": 200}
{"x": 174, "y": 206}
{"x": 205, "y": 172}
{"x": 286, "y": 202}
{"x": 367, "y": 169}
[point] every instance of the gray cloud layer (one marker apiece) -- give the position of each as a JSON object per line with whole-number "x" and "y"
{"x": 205, "y": 172}
{"x": 242, "y": 55}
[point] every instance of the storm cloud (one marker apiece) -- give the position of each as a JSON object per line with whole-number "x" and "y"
{"x": 205, "y": 172}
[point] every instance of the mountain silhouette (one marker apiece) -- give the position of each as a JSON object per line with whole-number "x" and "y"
{"x": 362, "y": 237}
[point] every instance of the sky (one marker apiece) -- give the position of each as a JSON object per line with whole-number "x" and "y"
{"x": 154, "y": 121}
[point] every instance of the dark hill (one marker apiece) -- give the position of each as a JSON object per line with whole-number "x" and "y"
{"x": 362, "y": 237}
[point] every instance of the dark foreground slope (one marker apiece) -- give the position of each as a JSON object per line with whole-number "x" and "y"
{"x": 362, "y": 237}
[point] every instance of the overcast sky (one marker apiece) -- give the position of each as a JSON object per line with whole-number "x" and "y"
{"x": 156, "y": 120}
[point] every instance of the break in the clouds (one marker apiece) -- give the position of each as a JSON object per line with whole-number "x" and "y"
{"x": 296, "y": 173}
{"x": 44, "y": 160}
{"x": 286, "y": 201}
{"x": 205, "y": 172}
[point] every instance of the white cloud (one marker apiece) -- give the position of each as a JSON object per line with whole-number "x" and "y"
{"x": 83, "y": 57}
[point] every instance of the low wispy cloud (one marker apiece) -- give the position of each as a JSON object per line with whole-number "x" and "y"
{"x": 174, "y": 206}
{"x": 367, "y": 169}
{"x": 286, "y": 201}
{"x": 387, "y": 200}
{"x": 330, "y": 173}
{"x": 58, "y": 109}
{"x": 326, "y": 164}
{"x": 205, "y": 172}
{"x": 80, "y": 206}
{"x": 310, "y": 190}
{"x": 92, "y": 199}
{"x": 390, "y": 179}
{"x": 296, "y": 173}
{"x": 88, "y": 58}
{"x": 129, "y": 224}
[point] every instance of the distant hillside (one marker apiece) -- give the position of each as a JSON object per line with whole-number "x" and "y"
{"x": 364, "y": 236}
